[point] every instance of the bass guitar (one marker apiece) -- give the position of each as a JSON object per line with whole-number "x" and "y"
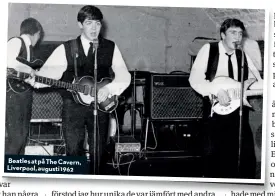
{"x": 233, "y": 89}
{"x": 19, "y": 86}
{"x": 82, "y": 89}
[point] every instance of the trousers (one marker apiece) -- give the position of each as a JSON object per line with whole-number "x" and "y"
{"x": 221, "y": 147}
{"x": 18, "y": 116}
{"x": 76, "y": 120}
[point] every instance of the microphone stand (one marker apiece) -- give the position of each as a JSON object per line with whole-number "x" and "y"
{"x": 133, "y": 108}
{"x": 241, "y": 110}
{"x": 95, "y": 148}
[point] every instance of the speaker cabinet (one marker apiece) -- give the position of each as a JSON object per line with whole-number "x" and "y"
{"x": 172, "y": 98}
{"x": 46, "y": 106}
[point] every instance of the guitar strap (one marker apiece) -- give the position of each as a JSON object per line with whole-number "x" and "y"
{"x": 74, "y": 52}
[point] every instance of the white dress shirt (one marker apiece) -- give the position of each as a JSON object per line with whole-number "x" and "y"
{"x": 57, "y": 64}
{"x": 197, "y": 77}
{"x": 14, "y": 46}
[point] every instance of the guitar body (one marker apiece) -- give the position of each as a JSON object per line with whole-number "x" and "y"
{"x": 18, "y": 86}
{"x": 233, "y": 89}
{"x": 81, "y": 98}
{"x": 225, "y": 110}
{"x": 87, "y": 99}
{"x": 35, "y": 64}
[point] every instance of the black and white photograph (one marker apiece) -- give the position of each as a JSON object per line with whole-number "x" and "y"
{"x": 173, "y": 93}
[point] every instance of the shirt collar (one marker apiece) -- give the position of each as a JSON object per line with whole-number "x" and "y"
{"x": 85, "y": 43}
{"x": 26, "y": 39}
{"x": 222, "y": 49}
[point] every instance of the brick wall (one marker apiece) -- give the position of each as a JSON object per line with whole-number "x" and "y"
{"x": 150, "y": 38}
{"x": 154, "y": 39}
{"x": 254, "y": 19}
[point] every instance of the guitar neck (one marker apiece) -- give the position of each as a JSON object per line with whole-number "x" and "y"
{"x": 60, "y": 84}
{"x": 53, "y": 82}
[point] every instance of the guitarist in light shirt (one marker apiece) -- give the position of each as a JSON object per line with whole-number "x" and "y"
{"x": 222, "y": 134}
{"x": 19, "y": 94}
{"x": 60, "y": 65}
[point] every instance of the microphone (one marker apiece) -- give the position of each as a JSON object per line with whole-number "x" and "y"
{"x": 95, "y": 43}
{"x": 238, "y": 45}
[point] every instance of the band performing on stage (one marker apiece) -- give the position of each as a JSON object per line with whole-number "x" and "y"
{"x": 82, "y": 97}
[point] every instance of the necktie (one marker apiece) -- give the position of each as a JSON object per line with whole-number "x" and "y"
{"x": 31, "y": 53}
{"x": 230, "y": 66}
{"x": 90, "y": 52}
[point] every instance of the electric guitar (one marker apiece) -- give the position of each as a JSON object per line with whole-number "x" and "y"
{"x": 19, "y": 86}
{"x": 82, "y": 89}
{"x": 233, "y": 89}
{"x": 35, "y": 64}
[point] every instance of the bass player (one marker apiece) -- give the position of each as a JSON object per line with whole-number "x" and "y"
{"x": 76, "y": 58}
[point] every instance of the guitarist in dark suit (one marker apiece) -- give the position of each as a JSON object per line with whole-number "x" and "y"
{"x": 222, "y": 135}
{"x": 19, "y": 94}
{"x": 76, "y": 57}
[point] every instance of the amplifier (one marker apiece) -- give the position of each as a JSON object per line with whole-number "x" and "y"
{"x": 126, "y": 144}
{"x": 172, "y": 98}
{"x": 46, "y": 106}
